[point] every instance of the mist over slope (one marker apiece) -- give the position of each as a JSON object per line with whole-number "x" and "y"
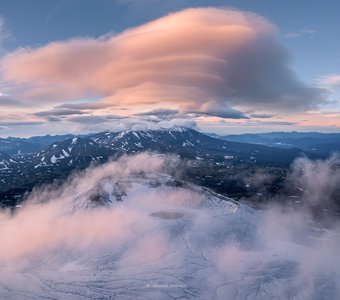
{"x": 126, "y": 230}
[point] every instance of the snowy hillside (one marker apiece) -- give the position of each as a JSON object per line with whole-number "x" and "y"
{"x": 20, "y": 172}
{"x": 124, "y": 230}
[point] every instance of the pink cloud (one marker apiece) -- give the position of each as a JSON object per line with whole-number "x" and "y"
{"x": 196, "y": 58}
{"x": 331, "y": 80}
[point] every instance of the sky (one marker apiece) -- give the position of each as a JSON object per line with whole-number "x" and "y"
{"x": 78, "y": 66}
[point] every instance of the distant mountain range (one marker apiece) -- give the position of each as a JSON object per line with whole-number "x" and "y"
{"x": 322, "y": 144}
{"x": 25, "y": 163}
{"x": 13, "y": 145}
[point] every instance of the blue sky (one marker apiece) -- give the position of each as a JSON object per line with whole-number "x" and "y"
{"x": 308, "y": 30}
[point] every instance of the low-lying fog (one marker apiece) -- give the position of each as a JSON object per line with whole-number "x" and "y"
{"x": 125, "y": 231}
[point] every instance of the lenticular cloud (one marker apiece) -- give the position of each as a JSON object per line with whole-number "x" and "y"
{"x": 207, "y": 60}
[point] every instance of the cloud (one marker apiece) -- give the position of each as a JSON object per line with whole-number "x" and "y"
{"x": 58, "y": 112}
{"x": 213, "y": 108}
{"x": 84, "y": 106}
{"x": 301, "y": 33}
{"x": 262, "y": 116}
{"x": 93, "y": 119}
{"x": 331, "y": 80}
{"x": 5, "y": 34}
{"x": 153, "y": 124}
{"x": 173, "y": 123}
{"x": 206, "y": 110}
{"x": 53, "y": 119}
{"x": 23, "y": 123}
{"x": 161, "y": 113}
{"x": 215, "y": 61}
{"x": 260, "y": 123}
{"x": 319, "y": 180}
{"x": 160, "y": 242}
{"x": 10, "y": 102}
{"x": 275, "y": 123}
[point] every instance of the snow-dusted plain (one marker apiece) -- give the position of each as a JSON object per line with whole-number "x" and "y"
{"x": 125, "y": 231}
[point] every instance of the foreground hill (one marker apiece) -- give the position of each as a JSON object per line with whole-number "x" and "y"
{"x": 117, "y": 232}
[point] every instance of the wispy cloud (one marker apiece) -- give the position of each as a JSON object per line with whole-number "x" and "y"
{"x": 7, "y": 101}
{"x": 261, "y": 116}
{"x": 85, "y": 105}
{"x": 93, "y": 119}
{"x": 4, "y": 32}
{"x": 331, "y": 80}
{"x": 310, "y": 33}
{"x": 59, "y": 112}
{"x": 21, "y": 123}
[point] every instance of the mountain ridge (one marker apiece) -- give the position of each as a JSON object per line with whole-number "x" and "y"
{"x": 20, "y": 172}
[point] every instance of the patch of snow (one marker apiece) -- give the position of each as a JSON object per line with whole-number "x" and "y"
{"x": 53, "y": 159}
{"x": 228, "y": 156}
{"x": 136, "y": 134}
{"x": 172, "y": 134}
{"x": 189, "y": 143}
{"x": 121, "y": 134}
{"x": 65, "y": 153}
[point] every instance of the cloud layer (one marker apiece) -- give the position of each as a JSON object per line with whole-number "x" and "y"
{"x": 207, "y": 60}
{"x": 159, "y": 241}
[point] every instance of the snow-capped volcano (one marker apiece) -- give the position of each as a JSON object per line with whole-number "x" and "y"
{"x": 22, "y": 171}
{"x": 189, "y": 143}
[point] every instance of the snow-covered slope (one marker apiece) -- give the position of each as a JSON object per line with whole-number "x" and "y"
{"x": 191, "y": 143}
{"x": 124, "y": 230}
{"x": 72, "y": 152}
{"x": 5, "y": 160}
{"x": 22, "y": 171}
